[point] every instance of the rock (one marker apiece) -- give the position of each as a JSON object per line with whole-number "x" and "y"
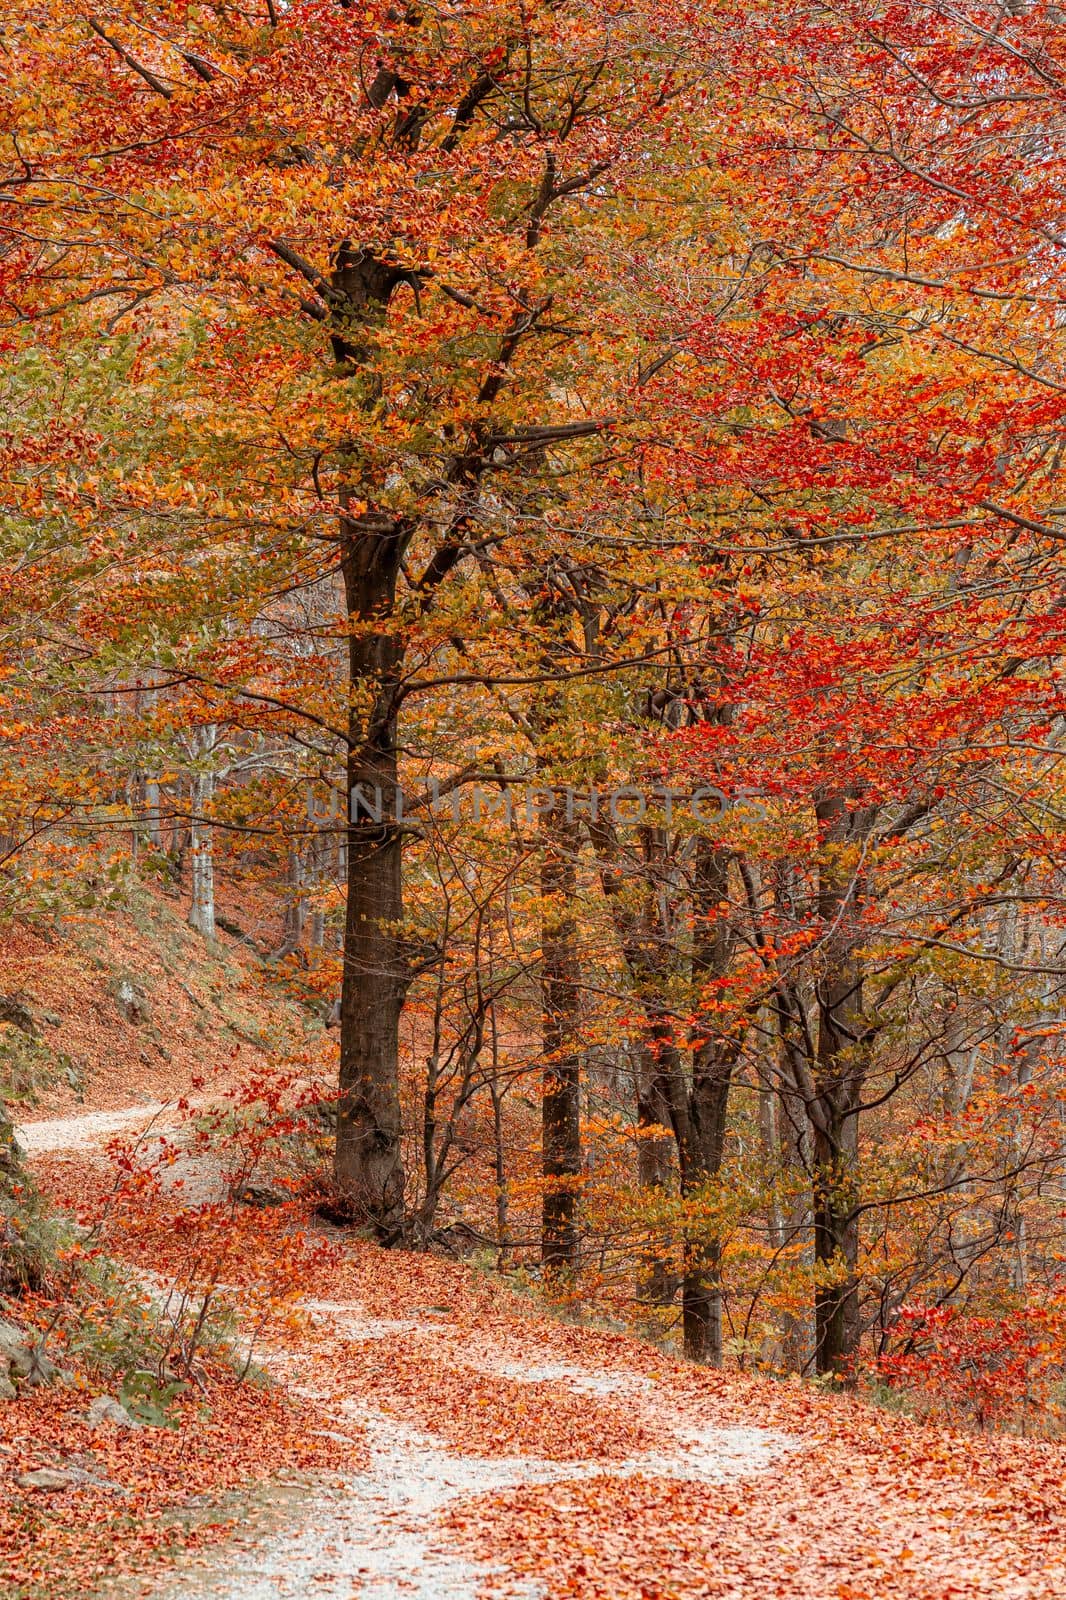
{"x": 49, "y": 1479}
{"x": 7, "y": 1388}
{"x": 14, "y": 1009}
{"x": 106, "y": 1411}
{"x": 53, "y": 1479}
{"x": 322, "y": 1112}
{"x": 257, "y": 1194}
{"x": 24, "y": 1360}
{"x": 132, "y": 1001}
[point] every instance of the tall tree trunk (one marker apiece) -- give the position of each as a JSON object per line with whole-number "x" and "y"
{"x": 503, "y": 1239}
{"x": 839, "y": 1071}
{"x": 836, "y": 1243}
{"x": 295, "y": 916}
{"x": 153, "y": 812}
{"x": 655, "y": 1171}
{"x": 702, "y": 1143}
{"x": 153, "y": 822}
{"x": 698, "y": 1116}
{"x": 178, "y": 832}
{"x": 650, "y": 953}
{"x": 316, "y": 869}
{"x": 795, "y": 1153}
{"x": 202, "y": 909}
{"x": 701, "y": 1161}
{"x": 561, "y": 1104}
{"x": 701, "y": 1300}
{"x": 694, "y": 1105}
{"x": 368, "y": 1167}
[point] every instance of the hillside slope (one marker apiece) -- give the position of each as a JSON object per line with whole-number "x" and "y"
{"x": 132, "y": 1005}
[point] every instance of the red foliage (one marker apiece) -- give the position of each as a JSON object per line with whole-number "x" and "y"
{"x": 997, "y": 1369}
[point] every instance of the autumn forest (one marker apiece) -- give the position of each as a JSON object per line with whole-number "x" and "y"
{"x": 532, "y": 799}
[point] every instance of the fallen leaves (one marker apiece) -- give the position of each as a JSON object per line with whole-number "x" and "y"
{"x": 82, "y": 1504}
{"x": 869, "y": 1506}
{"x": 858, "y": 1503}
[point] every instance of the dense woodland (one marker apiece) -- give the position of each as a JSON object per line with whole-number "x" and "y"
{"x": 561, "y": 503}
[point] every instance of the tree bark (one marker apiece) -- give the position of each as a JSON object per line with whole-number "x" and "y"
{"x": 561, "y": 1104}
{"x": 701, "y": 1130}
{"x": 839, "y": 1073}
{"x": 796, "y": 1155}
{"x": 836, "y": 1245}
{"x": 153, "y": 812}
{"x": 655, "y": 1171}
{"x": 368, "y": 1166}
{"x": 202, "y": 909}
{"x": 692, "y": 1104}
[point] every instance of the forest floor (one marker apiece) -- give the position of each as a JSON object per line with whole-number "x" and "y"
{"x": 426, "y": 1430}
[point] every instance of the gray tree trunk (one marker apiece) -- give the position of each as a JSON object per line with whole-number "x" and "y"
{"x": 368, "y": 1165}
{"x": 202, "y": 909}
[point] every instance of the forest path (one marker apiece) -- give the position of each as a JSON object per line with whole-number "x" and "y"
{"x": 380, "y": 1532}
{"x": 61, "y": 1135}
{"x": 486, "y": 1448}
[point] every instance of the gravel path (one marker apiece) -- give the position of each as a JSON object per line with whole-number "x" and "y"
{"x": 92, "y": 1129}
{"x": 377, "y": 1534}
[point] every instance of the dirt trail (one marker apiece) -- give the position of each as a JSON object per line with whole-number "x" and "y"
{"x": 378, "y": 1532}
{"x": 381, "y": 1528}
{"x": 92, "y": 1128}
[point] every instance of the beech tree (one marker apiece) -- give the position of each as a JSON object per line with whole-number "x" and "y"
{"x": 592, "y": 394}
